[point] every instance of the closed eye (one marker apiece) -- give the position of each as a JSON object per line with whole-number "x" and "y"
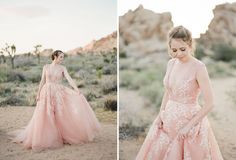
{"x": 174, "y": 50}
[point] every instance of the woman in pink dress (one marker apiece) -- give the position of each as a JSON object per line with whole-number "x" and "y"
{"x": 62, "y": 115}
{"x": 181, "y": 130}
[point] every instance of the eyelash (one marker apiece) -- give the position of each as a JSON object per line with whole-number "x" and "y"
{"x": 180, "y": 49}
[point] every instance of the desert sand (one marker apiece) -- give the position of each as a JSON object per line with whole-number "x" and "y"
{"x": 104, "y": 146}
{"x": 222, "y": 119}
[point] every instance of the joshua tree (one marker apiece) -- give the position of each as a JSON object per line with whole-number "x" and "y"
{"x": 2, "y": 57}
{"x": 10, "y": 53}
{"x": 37, "y": 52}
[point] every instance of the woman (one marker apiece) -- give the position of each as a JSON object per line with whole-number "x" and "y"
{"x": 62, "y": 115}
{"x": 181, "y": 131}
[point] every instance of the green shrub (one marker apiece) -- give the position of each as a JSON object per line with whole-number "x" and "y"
{"x": 5, "y": 91}
{"x": 3, "y": 75}
{"x": 99, "y": 73}
{"x": 123, "y": 55}
{"x": 224, "y": 52}
{"x": 13, "y": 101}
{"x": 15, "y": 76}
{"x": 111, "y": 103}
{"x": 109, "y": 85}
{"x": 199, "y": 52}
{"x": 153, "y": 92}
{"x": 128, "y": 131}
{"x": 90, "y": 96}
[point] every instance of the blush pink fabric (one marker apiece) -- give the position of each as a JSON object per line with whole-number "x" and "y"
{"x": 182, "y": 105}
{"x": 61, "y": 116}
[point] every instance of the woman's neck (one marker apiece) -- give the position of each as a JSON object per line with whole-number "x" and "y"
{"x": 54, "y": 63}
{"x": 185, "y": 59}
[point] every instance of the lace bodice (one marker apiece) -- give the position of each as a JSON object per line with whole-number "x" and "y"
{"x": 183, "y": 88}
{"x": 53, "y": 75}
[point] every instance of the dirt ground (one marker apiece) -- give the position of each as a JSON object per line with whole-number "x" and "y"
{"x": 104, "y": 147}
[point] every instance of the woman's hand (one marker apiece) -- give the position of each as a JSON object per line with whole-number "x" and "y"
{"x": 159, "y": 122}
{"x": 183, "y": 132}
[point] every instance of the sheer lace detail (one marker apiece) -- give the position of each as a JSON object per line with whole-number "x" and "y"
{"x": 181, "y": 107}
{"x": 60, "y": 116}
{"x": 53, "y": 75}
{"x": 187, "y": 91}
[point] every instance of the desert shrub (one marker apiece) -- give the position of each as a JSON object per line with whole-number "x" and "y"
{"x": 94, "y": 81}
{"x": 3, "y": 74}
{"x": 224, "y": 52}
{"x": 126, "y": 77}
{"x": 81, "y": 84}
{"x": 14, "y": 75}
{"x": 13, "y": 101}
{"x": 123, "y": 55}
{"x": 127, "y": 131}
{"x": 109, "y": 69}
{"x": 153, "y": 92}
{"x": 99, "y": 73}
{"x": 199, "y": 52}
{"x": 233, "y": 63}
{"x": 5, "y": 91}
{"x": 109, "y": 85}
{"x": 219, "y": 69}
{"x": 90, "y": 96}
{"x": 111, "y": 103}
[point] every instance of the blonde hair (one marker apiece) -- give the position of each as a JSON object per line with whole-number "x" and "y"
{"x": 182, "y": 33}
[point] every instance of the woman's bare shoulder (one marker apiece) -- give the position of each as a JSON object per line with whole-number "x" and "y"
{"x": 171, "y": 61}
{"x": 199, "y": 63}
{"x": 62, "y": 67}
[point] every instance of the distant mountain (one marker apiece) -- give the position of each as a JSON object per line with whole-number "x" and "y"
{"x": 105, "y": 45}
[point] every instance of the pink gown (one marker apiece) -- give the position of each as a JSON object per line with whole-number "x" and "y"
{"x": 61, "y": 116}
{"x": 182, "y": 105}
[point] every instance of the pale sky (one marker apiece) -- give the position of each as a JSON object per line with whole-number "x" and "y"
{"x": 193, "y": 14}
{"x": 57, "y": 24}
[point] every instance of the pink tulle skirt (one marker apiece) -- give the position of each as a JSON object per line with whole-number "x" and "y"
{"x": 163, "y": 144}
{"x": 61, "y": 116}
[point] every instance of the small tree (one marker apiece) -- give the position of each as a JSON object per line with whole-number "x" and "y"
{"x": 13, "y": 51}
{"x": 2, "y": 57}
{"x": 10, "y": 53}
{"x": 37, "y": 52}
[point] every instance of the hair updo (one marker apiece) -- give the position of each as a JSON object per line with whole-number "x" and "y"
{"x": 56, "y": 53}
{"x": 182, "y": 33}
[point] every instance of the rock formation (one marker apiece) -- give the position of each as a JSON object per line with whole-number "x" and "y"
{"x": 103, "y": 45}
{"x": 143, "y": 31}
{"x": 222, "y": 28}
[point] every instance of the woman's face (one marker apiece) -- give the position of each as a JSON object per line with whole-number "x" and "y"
{"x": 179, "y": 48}
{"x": 60, "y": 58}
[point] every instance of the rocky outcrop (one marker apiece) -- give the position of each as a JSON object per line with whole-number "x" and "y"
{"x": 103, "y": 45}
{"x": 143, "y": 31}
{"x": 46, "y": 52}
{"x": 222, "y": 28}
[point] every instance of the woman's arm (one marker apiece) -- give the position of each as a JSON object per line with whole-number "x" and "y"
{"x": 165, "y": 97}
{"x": 70, "y": 80}
{"x": 206, "y": 89}
{"x": 42, "y": 82}
{"x": 164, "y": 100}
